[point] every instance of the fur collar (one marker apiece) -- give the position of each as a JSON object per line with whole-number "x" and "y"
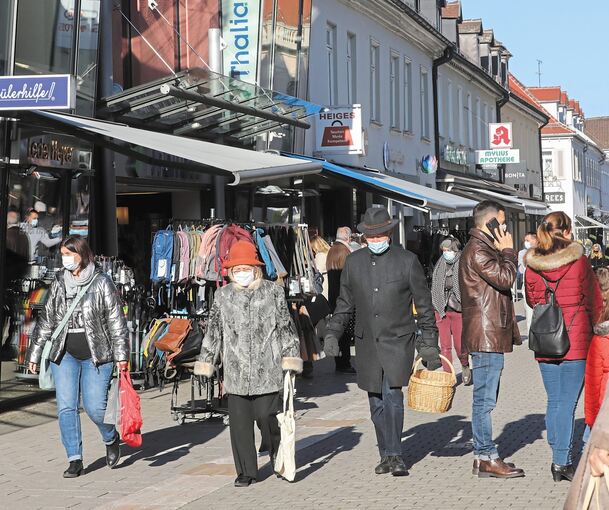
{"x": 561, "y": 258}
{"x": 602, "y": 328}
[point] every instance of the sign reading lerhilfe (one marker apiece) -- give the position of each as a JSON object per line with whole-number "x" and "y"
{"x": 240, "y": 29}
{"x": 338, "y": 130}
{"x": 498, "y": 157}
{"x": 44, "y": 92}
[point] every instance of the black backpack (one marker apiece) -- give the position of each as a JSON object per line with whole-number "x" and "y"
{"x": 548, "y": 335}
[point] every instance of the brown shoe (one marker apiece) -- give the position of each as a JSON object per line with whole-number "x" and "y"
{"x": 476, "y": 466}
{"x": 496, "y": 468}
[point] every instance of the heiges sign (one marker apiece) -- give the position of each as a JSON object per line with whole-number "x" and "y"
{"x": 338, "y": 130}
{"x": 240, "y": 30}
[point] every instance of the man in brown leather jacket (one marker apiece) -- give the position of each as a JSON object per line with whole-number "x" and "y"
{"x": 486, "y": 275}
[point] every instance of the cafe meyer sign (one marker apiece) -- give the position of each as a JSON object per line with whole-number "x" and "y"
{"x": 44, "y": 92}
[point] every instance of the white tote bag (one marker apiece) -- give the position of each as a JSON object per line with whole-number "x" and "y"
{"x": 285, "y": 464}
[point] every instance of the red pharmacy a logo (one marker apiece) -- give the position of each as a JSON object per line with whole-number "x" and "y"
{"x": 502, "y": 136}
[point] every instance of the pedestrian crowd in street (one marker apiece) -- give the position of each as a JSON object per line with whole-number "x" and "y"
{"x": 379, "y": 297}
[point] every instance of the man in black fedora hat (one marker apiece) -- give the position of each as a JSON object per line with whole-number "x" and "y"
{"x": 382, "y": 282}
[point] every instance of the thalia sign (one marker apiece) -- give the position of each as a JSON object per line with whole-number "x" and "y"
{"x": 44, "y": 92}
{"x": 240, "y": 29}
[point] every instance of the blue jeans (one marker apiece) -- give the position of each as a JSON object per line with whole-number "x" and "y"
{"x": 387, "y": 413}
{"x": 486, "y": 368}
{"x": 74, "y": 377}
{"x": 563, "y": 381}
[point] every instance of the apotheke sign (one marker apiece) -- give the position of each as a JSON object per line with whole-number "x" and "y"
{"x": 45, "y": 92}
{"x": 498, "y": 157}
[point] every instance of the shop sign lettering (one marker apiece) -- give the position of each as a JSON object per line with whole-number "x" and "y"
{"x": 48, "y": 92}
{"x": 498, "y": 157}
{"x": 557, "y": 197}
{"x": 240, "y": 31}
{"x": 338, "y": 130}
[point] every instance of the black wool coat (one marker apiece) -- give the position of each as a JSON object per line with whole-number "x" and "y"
{"x": 383, "y": 288}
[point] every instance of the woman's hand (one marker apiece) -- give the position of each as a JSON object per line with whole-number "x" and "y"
{"x": 32, "y": 368}
{"x": 123, "y": 366}
{"x": 599, "y": 461}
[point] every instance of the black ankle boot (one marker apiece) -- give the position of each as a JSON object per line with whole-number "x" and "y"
{"x": 74, "y": 470}
{"x": 113, "y": 452}
{"x": 560, "y": 473}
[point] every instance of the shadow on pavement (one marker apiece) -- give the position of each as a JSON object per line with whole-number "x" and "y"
{"x": 519, "y": 434}
{"x": 161, "y": 447}
{"x": 449, "y": 436}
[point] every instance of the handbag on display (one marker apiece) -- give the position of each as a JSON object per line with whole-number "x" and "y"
{"x": 45, "y": 377}
{"x": 176, "y": 334}
{"x": 285, "y": 462}
{"x": 548, "y": 335}
{"x": 191, "y": 347}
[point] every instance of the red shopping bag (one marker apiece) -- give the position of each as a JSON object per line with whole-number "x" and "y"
{"x": 131, "y": 412}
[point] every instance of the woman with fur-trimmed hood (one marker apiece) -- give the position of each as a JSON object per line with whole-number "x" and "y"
{"x": 251, "y": 332}
{"x": 561, "y": 264}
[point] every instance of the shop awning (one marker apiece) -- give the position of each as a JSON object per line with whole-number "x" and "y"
{"x": 591, "y": 223}
{"x": 394, "y": 188}
{"x": 511, "y": 201}
{"x": 201, "y": 104}
{"x": 242, "y": 164}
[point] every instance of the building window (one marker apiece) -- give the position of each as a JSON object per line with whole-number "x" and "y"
{"x": 484, "y": 126}
{"x": 331, "y": 64}
{"x": 460, "y": 115}
{"x": 394, "y": 90}
{"x": 375, "y": 81}
{"x": 451, "y": 112}
{"x": 407, "y": 95}
{"x": 351, "y": 68}
{"x": 468, "y": 106}
{"x": 477, "y": 124}
{"x": 425, "y": 104}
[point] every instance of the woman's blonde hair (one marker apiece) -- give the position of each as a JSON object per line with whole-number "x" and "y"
{"x": 319, "y": 245}
{"x": 258, "y": 275}
{"x": 550, "y": 234}
{"x": 599, "y": 254}
{"x": 603, "y": 279}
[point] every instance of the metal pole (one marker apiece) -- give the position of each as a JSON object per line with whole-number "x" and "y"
{"x": 215, "y": 64}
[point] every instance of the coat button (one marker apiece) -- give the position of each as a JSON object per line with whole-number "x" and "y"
{"x": 376, "y": 290}
{"x": 374, "y": 263}
{"x": 376, "y": 315}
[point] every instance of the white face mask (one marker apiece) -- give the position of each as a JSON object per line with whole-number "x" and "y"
{"x": 244, "y": 278}
{"x": 527, "y": 245}
{"x": 35, "y": 222}
{"x": 69, "y": 262}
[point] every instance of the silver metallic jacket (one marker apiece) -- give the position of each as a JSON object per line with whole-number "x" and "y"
{"x": 105, "y": 325}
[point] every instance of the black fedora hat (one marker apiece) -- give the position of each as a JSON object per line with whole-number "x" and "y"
{"x": 376, "y": 222}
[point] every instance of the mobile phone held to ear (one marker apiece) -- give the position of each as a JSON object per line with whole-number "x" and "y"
{"x": 493, "y": 225}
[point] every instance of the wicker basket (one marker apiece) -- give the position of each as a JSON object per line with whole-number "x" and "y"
{"x": 431, "y": 392}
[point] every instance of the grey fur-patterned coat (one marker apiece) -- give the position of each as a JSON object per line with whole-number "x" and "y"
{"x": 251, "y": 332}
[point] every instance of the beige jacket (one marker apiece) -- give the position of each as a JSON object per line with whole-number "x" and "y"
{"x": 598, "y": 439}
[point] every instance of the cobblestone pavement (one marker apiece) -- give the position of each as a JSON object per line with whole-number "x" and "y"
{"x": 190, "y": 466}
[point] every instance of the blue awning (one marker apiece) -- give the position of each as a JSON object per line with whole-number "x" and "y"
{"x": 394, "y": 188}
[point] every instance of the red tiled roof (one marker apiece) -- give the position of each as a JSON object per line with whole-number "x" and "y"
{"x": 578, "y": 108}
{"x": 546, "y": 93}
{"x": 521, "y": 91}
{"x": 571, "y": 104}
{"x": 452, "y": 10}
{"x": 556, "y": 128}
{"x": 564, "y": 99}
{"x": 470, "y": 26}
{"x": 598, "y": 129}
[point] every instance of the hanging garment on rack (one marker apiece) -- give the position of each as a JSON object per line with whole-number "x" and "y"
{"x": 184, "y": 263}
{"x": 281, "y": 271}
{"x": 259, "y": 236}
{"x": 229, "y": 236}
{"x": 162, "y": 252}
{"x": 206, "y": 261}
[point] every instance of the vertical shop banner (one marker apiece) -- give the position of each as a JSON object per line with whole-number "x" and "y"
{"x": 338, "y": 130}
{"x": 240, "y": 32}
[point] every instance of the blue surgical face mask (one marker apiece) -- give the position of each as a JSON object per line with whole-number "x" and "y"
{"x": 378, "y": 248}
{"x": 527, "y": 245}
{"x": 449, "y": 256}
{"x": 35, "y": 222}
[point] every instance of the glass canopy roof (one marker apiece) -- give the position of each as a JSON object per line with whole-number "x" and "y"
{"x": 202, "y": 104}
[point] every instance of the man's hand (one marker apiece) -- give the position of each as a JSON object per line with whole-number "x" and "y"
{"x": 503, "y": 240}
{"x": 430, "y": 356}
{"x": 599, "y": 461}
{"x": 32, "y": 368}
{"x": 331, "y": 347}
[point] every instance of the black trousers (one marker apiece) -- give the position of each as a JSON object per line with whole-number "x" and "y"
{"x": 243, "y": 412}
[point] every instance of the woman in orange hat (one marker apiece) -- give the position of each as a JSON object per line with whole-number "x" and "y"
{"x": 251, "y": 332}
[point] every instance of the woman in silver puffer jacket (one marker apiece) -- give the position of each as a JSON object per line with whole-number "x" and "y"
{"x": 82, "y": 356}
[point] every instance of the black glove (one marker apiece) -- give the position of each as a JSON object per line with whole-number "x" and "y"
{"x": 431, "y": 356}
{"x": 331, "y": 347}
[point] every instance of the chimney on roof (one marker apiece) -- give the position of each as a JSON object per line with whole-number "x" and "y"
{"x": 431, "y": 11}
{"x": 451, "y": 17}
{"x": 469, "y": 33}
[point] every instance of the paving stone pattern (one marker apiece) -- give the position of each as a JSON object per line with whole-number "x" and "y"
{"x": 190, "y": 466}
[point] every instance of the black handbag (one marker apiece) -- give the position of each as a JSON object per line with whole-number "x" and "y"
{"x": 191, "y": 347}
{"x": 548, "y": 335}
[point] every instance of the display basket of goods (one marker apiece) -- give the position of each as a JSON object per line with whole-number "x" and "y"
{"x": 431, "y": 391}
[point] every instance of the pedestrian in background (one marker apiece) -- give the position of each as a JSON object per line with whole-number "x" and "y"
{"x": 597, "y": 257}
{"x": 381, "y": 282}
{"x": 446, "y": 298}
{"x": 251, "y": 333}
{"x": 487, "y": 274}
{"x": 560, "y": 264}
{"x": 82, "y": 356}
{"x": 320, "y": 250}
{"x": 530, "y": 241}
{"x": 335, "y": 263}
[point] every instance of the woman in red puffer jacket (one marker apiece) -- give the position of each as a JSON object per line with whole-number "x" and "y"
{"x": 562, "y": 264}
{"x": 597, "y": 365}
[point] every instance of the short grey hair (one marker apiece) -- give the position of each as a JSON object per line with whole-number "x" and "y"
{"x": 343, "y": 233}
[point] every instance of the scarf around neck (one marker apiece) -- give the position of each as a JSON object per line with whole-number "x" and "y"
{"x": 438, "y": 282}
{"x": 72, "y": 282}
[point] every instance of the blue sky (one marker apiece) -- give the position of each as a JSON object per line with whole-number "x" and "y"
{"x": 571, "y": 38}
